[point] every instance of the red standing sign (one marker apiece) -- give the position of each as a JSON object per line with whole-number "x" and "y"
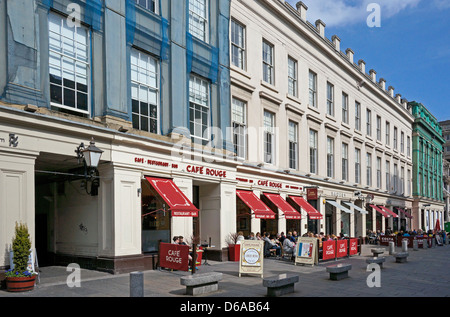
{"x": 328, "y": 250}
{"x": 174, "y": 256}
{"x": 341, "y": 248}
{"x": 353, "y": 247}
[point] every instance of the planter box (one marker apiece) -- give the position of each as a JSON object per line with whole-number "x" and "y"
{"x": 234, "y": 251}
{"x": 20, "y": 284}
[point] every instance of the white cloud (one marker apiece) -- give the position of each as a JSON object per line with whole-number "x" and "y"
{"x": 442, "y": 4}
{"x": 346, "y": 12}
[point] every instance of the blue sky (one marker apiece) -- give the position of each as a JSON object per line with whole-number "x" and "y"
{"x": 411, "y": 48}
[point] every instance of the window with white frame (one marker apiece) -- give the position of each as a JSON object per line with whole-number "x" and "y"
{"x": 330, "y": 157}
{"x": 369, "y": 122}
{"x": 379, "y": 128}
{"x": 148, "y": 4}
{"x": 268, "y": 63}
{"x": 402, "y": 180}
{"x": 269, "y": 137}
{"x": 345, "y": 108}
{"x": 239, "y": 118}
{"x": 368, "y": 169}
{"x": 344, "y": 161}
{"x": 388, "y": 175}
{"x": 379, "y": 172}
{"x": 395, "y": 138}
{"x": 144, "y": 91}
{"x": 388, "y": 133}
{"x": 395, "y": 177}
{"x": 199, "y": 104}
{"x": 238, "y": 43}
{"x": 69, "y": 65}
{"x": 293, "y": 145}
{"x": 357, "y": 166}
{"x": 292, "y": 77}
{"x": 198, "y": 19}
{"x": 408, "y": 146}
{"x": 402, "y": 142}
{"x": 313, "y": 155}
{"x": 312, "y": 89}
{"x": 357, "y": 113}
{"x": 330, "y": 99}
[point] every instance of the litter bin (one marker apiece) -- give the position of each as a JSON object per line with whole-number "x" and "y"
{"x": 447, "y": 227}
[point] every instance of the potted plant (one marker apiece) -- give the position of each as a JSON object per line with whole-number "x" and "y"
{"x": 20, "y": 278}
{"x": 234, "y": 249}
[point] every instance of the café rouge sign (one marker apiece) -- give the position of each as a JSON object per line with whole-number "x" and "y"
{"x": 189, "y": 168}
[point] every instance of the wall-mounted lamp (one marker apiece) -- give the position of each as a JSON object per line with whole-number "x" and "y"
{"x": 91, "y": 158}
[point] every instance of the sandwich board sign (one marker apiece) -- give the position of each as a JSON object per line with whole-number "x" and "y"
{"x": 252, "y": 257}
{"x": 306, "y": 251}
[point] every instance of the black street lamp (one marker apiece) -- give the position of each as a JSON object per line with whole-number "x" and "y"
{"x": 91, "y": 158}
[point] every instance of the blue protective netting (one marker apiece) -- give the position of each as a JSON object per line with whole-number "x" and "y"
{"x": 92, "y": 11}
{"x": 165, "y": 43}
{"x": 206, "y": 66}
{"x": 130, "y": 20}
{"x": 93, "y": 14}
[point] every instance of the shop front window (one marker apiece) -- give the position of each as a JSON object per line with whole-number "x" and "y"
{"x": 155, "y": 220}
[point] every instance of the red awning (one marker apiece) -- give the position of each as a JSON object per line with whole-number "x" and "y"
{"x": 407, "y": 214}
{"x": 310, "y": 210}
{"x": 393, "y": 214}
{"x": 178, "y": 203}
{"x": 288, "y": 210}
{"x": 380, "y": 211}
{"x": 260, "y": 209}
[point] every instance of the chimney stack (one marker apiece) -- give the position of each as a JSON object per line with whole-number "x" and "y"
{"x": 373, "y": 75}
{"x": 320, "y": 27}
{"x": 362, "y": 66}
{"x": 398, "y": 97}
{"x": 383, "y": 83}
{"x": 391, "y": 91}
{"x": 302, "y": 8}
{"x": 350, "y": 54}
{"x": 405, "y": 103}
{"x": 337, "y": 42}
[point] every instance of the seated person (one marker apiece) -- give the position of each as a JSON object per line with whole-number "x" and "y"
{"x": 288, "y": 246}
{"x": 240, "y": 237}
{"x": 271, "y": 244}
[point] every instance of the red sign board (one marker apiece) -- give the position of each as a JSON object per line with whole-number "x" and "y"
{"x": 328, "y": 250}
{"x": 353, "y": 246}
{"x": 341, "y": 248}
{"x": 174, "y": 256}
{"x": 312, "y": 194}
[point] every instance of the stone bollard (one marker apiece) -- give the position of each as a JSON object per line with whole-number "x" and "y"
{"x": 415, "y": 245}
{"x": 391, "y": 248}
{"x": 425, "y": 244}
{"x": 136, "y": 284}
{"x": 405, "y": 246}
